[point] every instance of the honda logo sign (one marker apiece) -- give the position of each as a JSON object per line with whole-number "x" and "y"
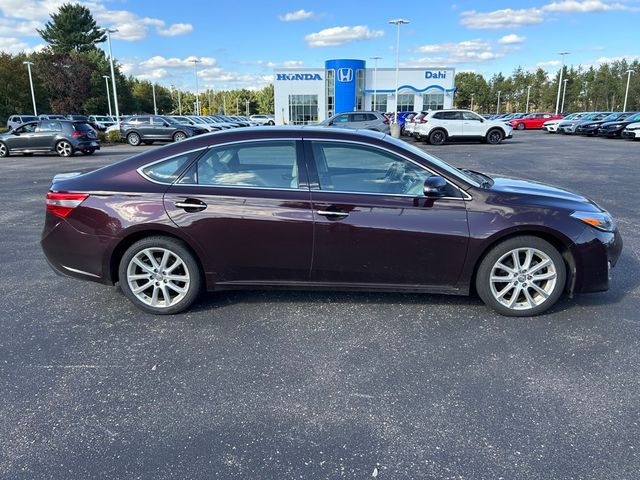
{"x": 345, "y": 75}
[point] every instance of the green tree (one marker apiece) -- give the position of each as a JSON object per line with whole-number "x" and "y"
{"x": 72, "y": 29}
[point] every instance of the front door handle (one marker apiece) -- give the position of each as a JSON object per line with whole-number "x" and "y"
{"x": 191, "y": 205}
{"x": 332, "y": 213}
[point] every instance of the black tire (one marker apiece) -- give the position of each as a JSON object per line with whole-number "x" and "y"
{"x": 494, "y": 136}
{"x": 64, "y": 149}
{"x": 88, "y": 151}
{"x": 521, "y": 126}
{"x": 133, "y": 139}
{"x": 191, "y": 267}
{"x": 4, "y": 150}
{"x": 179, "y": 136}
{"x": 271, "y": 122}
{"x": 522, "y": 277}
{"x": 437, "y": 137}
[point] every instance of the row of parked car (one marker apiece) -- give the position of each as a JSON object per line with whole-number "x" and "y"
{"x": 604, "y": 124}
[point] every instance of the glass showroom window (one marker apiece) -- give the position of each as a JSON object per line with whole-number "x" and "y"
{"x": 303, "y": 109}
{"x": 433, "y": 101}
{"x": 359, "y": 89}
{"x": 379, "y": 102}
{"x": 331, "y": 92}
{"x": 405, "y": 102}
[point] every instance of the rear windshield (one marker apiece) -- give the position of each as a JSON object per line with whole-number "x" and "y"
{"x": 82, "y": 127}
{"x": 29, "y": 118}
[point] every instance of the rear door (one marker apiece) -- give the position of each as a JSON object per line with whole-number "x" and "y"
{"x": 248, "y": 206}
{"x": 373, "y": 224}
{"x": 451, "y": 121}
{"x": 44, "y": 136}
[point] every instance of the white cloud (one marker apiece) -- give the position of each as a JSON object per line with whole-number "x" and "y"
{"x": 297, "y": 16}
{"x": 12, "y": 45}
{"x": 293, "y": 64}
{"x": 161, "y": 62}
{"x": 583, "y": 6}
{"x": 511, "y": 39}
{"x": 330, "y": 37}
{"x": 176, "y": 29}
{"x": 505, "y": 18}
{"x": 450, "y": 53}
{"x": 549, "y": 63}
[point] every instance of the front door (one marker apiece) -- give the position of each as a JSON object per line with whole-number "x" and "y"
{"x": 473, "y": 124}
{"x": 249, "y": 210}
{"x": 375, "y": 226}
{"x": 22, "y": 137}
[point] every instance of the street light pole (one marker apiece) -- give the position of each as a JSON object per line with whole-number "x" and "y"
{"x": 528, "y": 95}
{"x": 626, "y": 93}
{"x": 472, "y": 101}
{"x": 564, "y": 91}
{"x": 106, "y": 84}
{"x": 195, "y": 66}
{"x": 33, "y": 95}
{"x": 562, "y": 54}
{"x": 246, "y": 103}
{"x": 375, "y": 81}
{"x": 113, "y": 75}
{"x": 498, "y": 105}
{"x": 397, "y": 22}
{"x": 155, "y": 106}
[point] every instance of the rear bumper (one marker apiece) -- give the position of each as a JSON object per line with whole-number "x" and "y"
{"x": 87, "y": 145}
{"x": 595, "y": 254}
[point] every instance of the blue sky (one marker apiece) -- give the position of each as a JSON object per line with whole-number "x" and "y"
{"x": 241, "y": 42}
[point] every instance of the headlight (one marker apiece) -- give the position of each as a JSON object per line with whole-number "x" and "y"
{"x": 617, "y": 125}
{"x": 600, "y": 220}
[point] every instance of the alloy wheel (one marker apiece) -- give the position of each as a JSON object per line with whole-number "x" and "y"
{"x": 4, "y": 151}
{"x": 495, "y": 137}
{"x": 133, "y": 139}
{"x": 158, "y": 277}
{"x": 64, "y": 149}
{"x": 178, "y": 137}
{"x": 523, "y": 278}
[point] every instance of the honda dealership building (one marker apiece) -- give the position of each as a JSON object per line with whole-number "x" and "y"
{"x": 311, "y": 95}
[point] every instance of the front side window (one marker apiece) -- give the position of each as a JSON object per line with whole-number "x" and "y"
{"x": 253, "y": 164}
{"x": 362, "y": 169}
{"x": 471, "y": 116}
{"x": 168, "y": 171}
{"x": 27, "y": 128}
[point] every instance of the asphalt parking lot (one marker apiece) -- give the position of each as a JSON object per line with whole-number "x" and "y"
{"x": 283, "y": 385}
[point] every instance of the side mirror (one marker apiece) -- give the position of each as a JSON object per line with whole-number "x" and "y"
{"x": 435, "y": 186}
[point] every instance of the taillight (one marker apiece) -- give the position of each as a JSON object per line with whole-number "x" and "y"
{"x": 76, "y": 134}
{"x": 386, "y": 121}
{"x": 61, "y": 204}
{"x": 423, "y": 120}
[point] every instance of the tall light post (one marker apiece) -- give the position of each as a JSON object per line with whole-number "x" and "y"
{"x": 564, "y": 91}
{"x": 562, "y": 54}
{"x": 498, "y": 105}
{"x": 375, "y": 81}
{"x": 528, "y": 96}
{"x": 113, "y": 75}
{"x": 246, "y": 104}
{"x": 106, "y": 84}
{"x": 626, "y": 93}
{"x": 155, "y": 106}
{"x": 195, "y": 66}
{"x": 472, "y": 95}
{"x": 33, "y": 95}
{"x": 397, "y": 22}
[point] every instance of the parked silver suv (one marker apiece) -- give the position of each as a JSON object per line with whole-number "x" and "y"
{"x": 362, "y": 120}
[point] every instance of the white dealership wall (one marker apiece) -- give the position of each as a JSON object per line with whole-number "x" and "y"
{"x": 416, "y": 81}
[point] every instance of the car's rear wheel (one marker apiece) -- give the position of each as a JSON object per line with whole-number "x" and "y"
{"x": 160, "y": 275}
{"x": 521, "y": 126}
{"x": 437, "y": 137}
{"x": 271, "y": 122}
{"x": 179, "y": 136}
{"x": 133, "y": 139}
{"x": 494, "y": 136}
{"x": 64, "y": 148}
{"x": 522, "y": 276}
{"x": 88, "y": 151}
{"x": 4, "y": 150}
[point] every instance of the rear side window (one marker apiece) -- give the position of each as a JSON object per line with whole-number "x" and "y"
{"x": 82, "y": 127}
{"x": 448, "y": 116}
{"x": 49, "y": 126}
{"x": 168, "y": 171}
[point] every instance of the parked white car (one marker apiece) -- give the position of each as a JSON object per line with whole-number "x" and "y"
{"x": 102, "y": 121}
{"x": 438, "y": 126}
{"x": 410, "y": 125}
{"x": 17, "y": 120}
{"x": 263, "y": 119}
{"x": 632, "y": 131}
{"x": 551, "y": 126}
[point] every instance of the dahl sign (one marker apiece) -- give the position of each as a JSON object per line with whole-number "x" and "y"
{"x": 298, "y": 76}
{"x": 438, "y": 74}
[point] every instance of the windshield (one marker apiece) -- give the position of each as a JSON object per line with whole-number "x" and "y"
{"x": 171, "y": 121}
{"x": 104, "y": 119}
{"x": 633, "y": 118}
{"x": 435, "y": 161}
{"x": 29, "y": 119}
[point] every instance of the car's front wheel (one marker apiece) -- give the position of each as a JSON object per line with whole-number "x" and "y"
{"x": 160, "y": 275}
{"x": 495, "y": 136}
{"x": 64, "y": 148}
{"x": 522, "y": 276}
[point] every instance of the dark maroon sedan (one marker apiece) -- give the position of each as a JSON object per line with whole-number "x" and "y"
{"x": 322, "y": 209}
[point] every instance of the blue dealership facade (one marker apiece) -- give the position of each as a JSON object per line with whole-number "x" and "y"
{"x": 344, "y": 85}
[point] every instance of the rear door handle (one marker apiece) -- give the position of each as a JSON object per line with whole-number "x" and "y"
{"x": 191, "y": 205}
{"x": 332, "y": 213}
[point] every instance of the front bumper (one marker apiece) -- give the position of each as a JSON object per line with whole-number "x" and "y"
{"x": 633, "y": 134}
{"x": 609, "y": 132}
{"x": 550, "y": 128}
{"x": 595, "y": 254}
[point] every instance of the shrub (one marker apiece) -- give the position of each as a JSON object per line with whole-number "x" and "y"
{"x": 113, "y": 136}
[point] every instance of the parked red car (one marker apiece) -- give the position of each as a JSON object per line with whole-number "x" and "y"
{"x": 533, "y": 120}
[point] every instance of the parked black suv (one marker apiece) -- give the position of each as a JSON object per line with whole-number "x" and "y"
{"x": 150, "y": 128}
{"x": 61, "y": 136}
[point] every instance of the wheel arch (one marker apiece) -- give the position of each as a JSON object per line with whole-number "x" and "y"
{"x": 436, "y": 129}
{"x": 559, "y": 242}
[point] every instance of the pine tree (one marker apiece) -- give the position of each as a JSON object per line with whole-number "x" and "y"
{"x": 72, "y": 29}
